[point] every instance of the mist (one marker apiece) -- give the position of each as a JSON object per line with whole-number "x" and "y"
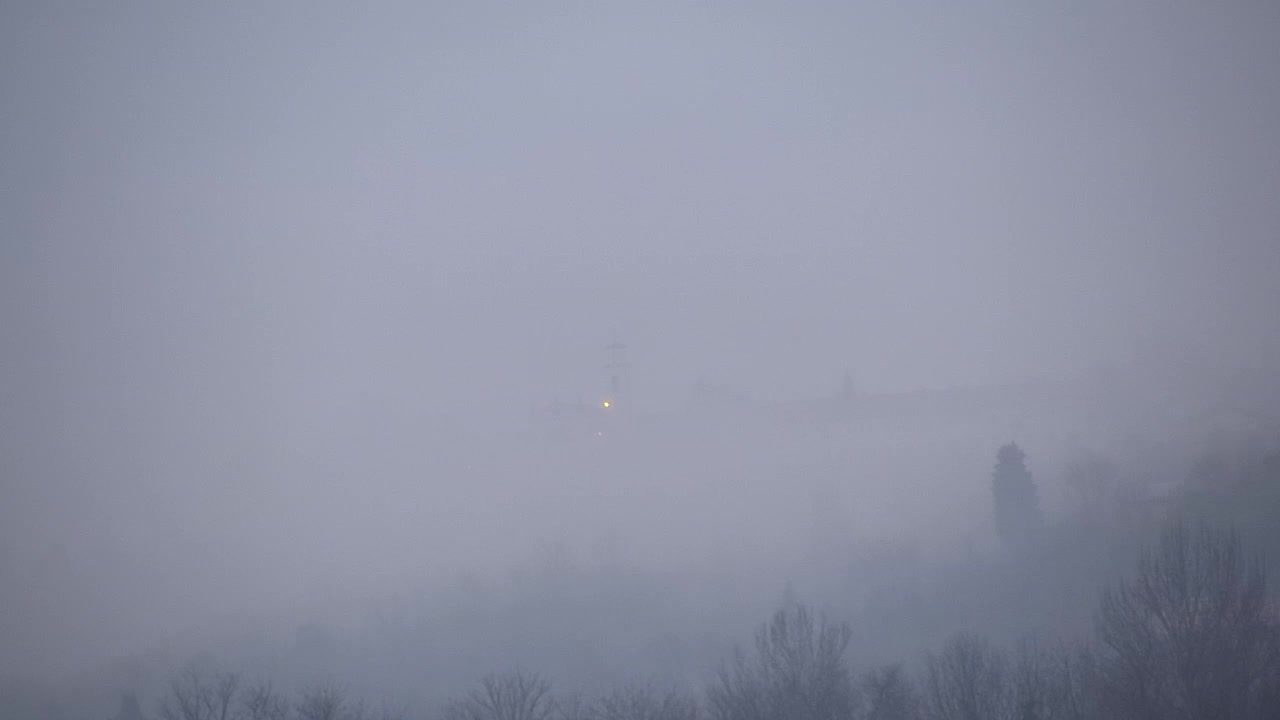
{"x": 310, "y": 312}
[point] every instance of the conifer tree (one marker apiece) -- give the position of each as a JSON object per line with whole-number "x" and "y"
{"x": 1017, "y": 503}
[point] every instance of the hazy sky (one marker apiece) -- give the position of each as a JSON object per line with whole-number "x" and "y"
{"x": 236, "y": 234}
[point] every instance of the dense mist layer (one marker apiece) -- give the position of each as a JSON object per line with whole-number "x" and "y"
{"x": 311, "y": 311}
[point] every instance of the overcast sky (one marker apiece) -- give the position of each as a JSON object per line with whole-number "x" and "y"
{"x": 233, "y": 233}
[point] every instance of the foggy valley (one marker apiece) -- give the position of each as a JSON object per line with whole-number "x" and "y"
{"x": 639, "y": 361}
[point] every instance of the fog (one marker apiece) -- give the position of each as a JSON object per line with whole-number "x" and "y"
{"x": 307, "y": 309}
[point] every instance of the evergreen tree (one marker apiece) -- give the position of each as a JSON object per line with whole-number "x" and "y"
{"x": 1017, "y": 503}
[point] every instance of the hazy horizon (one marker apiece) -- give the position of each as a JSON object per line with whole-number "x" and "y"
{"x": 289, "y": 291}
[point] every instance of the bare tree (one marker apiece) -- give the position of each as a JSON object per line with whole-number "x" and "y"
{"x": 573, "y": 707}
{"x": 1076, "y": 684}
{"x": 888, "y": 694}
{"x": 966, "y": 681}
{"x": 1052, "y": 682}
{"x": 1191, "y": 635}
{"x": 193, "y": 695}
{"x": 739, "y": 693}
{"x": 514, "y": 696}
{"x": 262, "y": 702}
{"x": 325, "y": 702}
{"x": 798, "y": 673}
{"x": 1032, "y": 683}
{"x": 225, "y": 688}
{"x": 644, "y": 703}
{"x": 187, "y": 698}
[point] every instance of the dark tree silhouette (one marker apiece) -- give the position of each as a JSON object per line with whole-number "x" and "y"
{"x": 325, "y": 702}
{"x": 966, "y": 681}
{"x": 798, "y": 673}
{"x": 262, "y": 702}
{"x": 1191, "y": 636}
{"x": 1052, "y": 683}
{"x": 888, "y": 694}
{"x": 1016, "y": 501}
{"x": 194, "y": 695}
{"x": 644, "y": 703}
{"x": 514, "y": 696}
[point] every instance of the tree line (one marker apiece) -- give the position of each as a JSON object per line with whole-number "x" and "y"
{"x": 1190, "y": 634}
